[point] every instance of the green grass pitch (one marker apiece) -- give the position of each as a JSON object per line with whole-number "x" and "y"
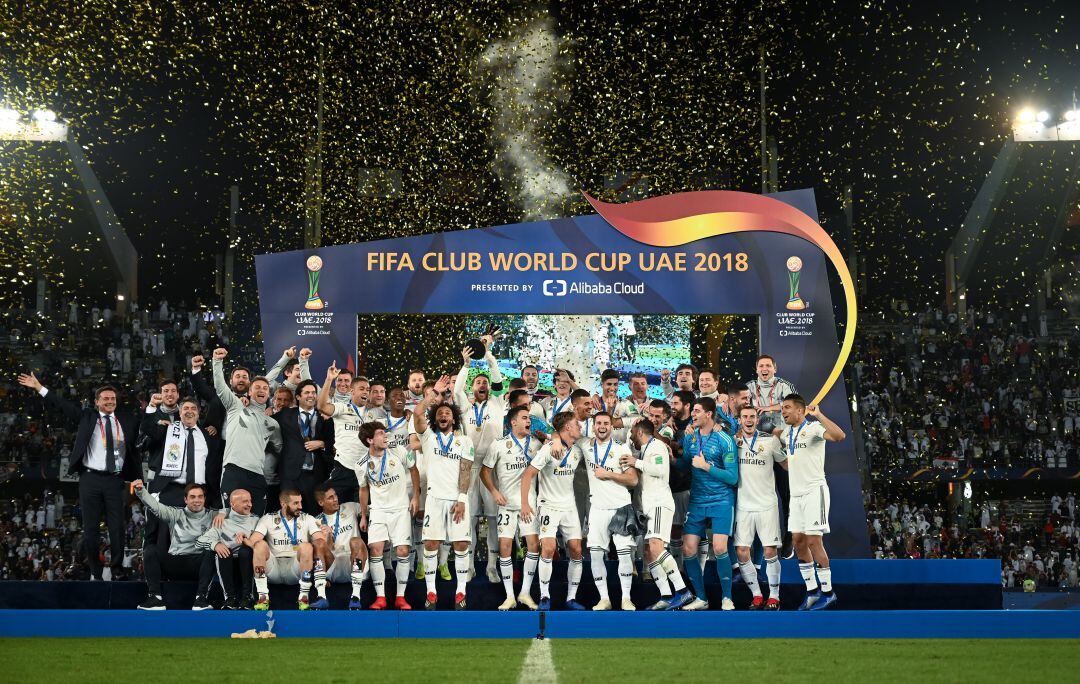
{"x": 580, "y": 660}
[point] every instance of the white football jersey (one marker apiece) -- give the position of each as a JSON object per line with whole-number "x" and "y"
{"x": 556, "y": 478}
{"x": 554, "y": 405}
{"x": 344, "y": 524}
{"x": 654, "y": 462}
{"x": 282, "y": 535}
{"x": 483, "y": 422}
{"x": 387, "y": 479}
{"x": 757, "y": 484}
{"x": 348, "y": 418}
{"x": 605, "y": 493}
{"x": 805, "y": 450}
{"x": 508, "y": 459}
{"x": 442, "y": 461}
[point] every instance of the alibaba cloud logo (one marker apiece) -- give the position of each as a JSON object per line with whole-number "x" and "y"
{"x": 554, "y": 288}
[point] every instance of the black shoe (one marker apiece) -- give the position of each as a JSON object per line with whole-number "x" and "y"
{"x": 232, "y": 603}
{"x": 201, "y": 603}
{"x": 152, "y": 603}
{"x": 247, "y": 604}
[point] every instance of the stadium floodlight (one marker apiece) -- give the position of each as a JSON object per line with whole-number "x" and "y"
{"x": 1072, "y": 115}
{"x": 43, "y": 125}
{"x": 9, "y": 120}
{"x": 1026, "y": 115}
{"x": 1043, "y": 116}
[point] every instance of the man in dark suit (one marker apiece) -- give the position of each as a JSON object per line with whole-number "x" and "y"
{"x": 307, "y": 441}
{"x": 179, "y": 456}
{"x": 105, "y": 456}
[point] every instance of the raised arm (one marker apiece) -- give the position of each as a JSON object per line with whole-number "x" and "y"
{"x": 420, "y": 421}
{"x": 833, "y": 433}
{"x": 460, "y": 398}
{"x": 72, "y": 411}
{"x": 305, "y": 358}
{"x": 167, "y": 513}
{"x": 199, "y": 384}
{"x": 224, "y": 392}
{"x": 325, "y": 406}
{"x": 275, "y": 370}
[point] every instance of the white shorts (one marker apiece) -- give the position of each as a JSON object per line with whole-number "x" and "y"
{"x": 552, "y": 521}
{"x": 439, "y": 522}
{"x": 660, "y": 521}
{"x": 810, "y": 512}
{"x": 511, "y": 526}
{"x": 341, "y": 569}
{"x": 682, "y": 505}
{"x": 600, "y": 536}
{"x": 394, "y": 526}
{"x": 765, "y": 525}
{"x": 283, "y": 569}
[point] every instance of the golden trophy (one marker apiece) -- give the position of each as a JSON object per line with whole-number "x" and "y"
{"x": 794, "y": 302}
{"x": 314, "y": 265}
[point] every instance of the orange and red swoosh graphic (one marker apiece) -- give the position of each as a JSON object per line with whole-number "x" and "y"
{"x": 682, "y": 218}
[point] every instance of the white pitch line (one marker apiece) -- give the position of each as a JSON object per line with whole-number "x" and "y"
{"x": 538, "y": 667}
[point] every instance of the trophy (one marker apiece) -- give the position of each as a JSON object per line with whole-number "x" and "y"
{"x": 314, "y": 266}
{"x": 794, "y": 302}
{"x": 476, "y": 345}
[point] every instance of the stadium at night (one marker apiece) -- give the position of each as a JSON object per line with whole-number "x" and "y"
{"x": 543, "y": 342}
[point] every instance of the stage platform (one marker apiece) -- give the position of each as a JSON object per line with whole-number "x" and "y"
{"x": 553, "y": 625}
{"x": 860, "y": 584}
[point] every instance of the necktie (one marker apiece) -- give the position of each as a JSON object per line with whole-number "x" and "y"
{"x": 189, "y": 455}
{"x": 110, "y": 446}
{"x": 309, "y": 458}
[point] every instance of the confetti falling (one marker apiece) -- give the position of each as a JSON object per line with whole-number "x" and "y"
{"x": 443, "y": 116}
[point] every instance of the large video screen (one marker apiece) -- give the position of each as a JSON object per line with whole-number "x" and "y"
{"x": 586, "y": 345}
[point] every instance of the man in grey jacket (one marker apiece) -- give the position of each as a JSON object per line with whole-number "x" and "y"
{"x": 251, "y": 433}
{"x": 293, "y": 367}
{"x": 187, "y": 524}
{"x": 226, "y": 552}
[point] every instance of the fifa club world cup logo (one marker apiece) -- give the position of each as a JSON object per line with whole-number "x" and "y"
{"x": 314, "y": 268}
{"x": 794, "y": 267}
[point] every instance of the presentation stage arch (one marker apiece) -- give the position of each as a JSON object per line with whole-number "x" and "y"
{"x": 710, "y": 252}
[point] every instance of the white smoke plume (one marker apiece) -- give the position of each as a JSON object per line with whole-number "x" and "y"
{"x": 526, "y": 68}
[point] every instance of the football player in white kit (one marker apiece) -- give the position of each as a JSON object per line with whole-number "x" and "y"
{"x": 757, "y": 512}
{"x": 611, "y": 515}
{"x": 503, "y": 469}
{"x": 623, "y": 411}
{"x": 560, "y": 401}
{"x": 809, "y": 517}
{"x": 658, "y": 505}
{"x": 482, "y": 415}
{"x": 556, "y": 510}
{"x": 448, "y": 457}
{"x": 347, "y": 417}
{"x": 283, "y": 550}
{"x": 387, "y": 507}
{"x": 346, "y": 556}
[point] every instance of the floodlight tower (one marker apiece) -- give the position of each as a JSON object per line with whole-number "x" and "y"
{"x": 44, "y": 126}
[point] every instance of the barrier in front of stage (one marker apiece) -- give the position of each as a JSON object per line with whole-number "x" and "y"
{"x": 861, "y": 585}
{"x": 553, "y": 625}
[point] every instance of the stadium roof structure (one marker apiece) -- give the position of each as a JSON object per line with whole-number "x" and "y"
{"x": 58, "y": 222}
{"x": 1013, "y": 230}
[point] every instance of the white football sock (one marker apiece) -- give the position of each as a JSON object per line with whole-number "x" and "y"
{"x": 403, "y": 570}
{"x": 749, "y": 575}
{"x": 825, "y": 577}
{"x": 626, "y": 571}
{"x": 672, "y": 569}
{"x": 462, "y": 559}
{"x": 772, "y": 572}
{"x": 599, "y": 571}
{"x": 378, "y": 574}
{"x": 661, "y": 579}
{"x": 506, "y": 570}
{"x": 573, "y": 578}
{"x": 431, "y": 566}
{"x": 545, "y": 578}
{"x": 528, "y": 572}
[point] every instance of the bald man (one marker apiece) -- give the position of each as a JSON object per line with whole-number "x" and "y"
{"x": 226, "y": 551}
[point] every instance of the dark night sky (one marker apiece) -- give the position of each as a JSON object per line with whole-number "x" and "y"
{"x": 906, "y": 103}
